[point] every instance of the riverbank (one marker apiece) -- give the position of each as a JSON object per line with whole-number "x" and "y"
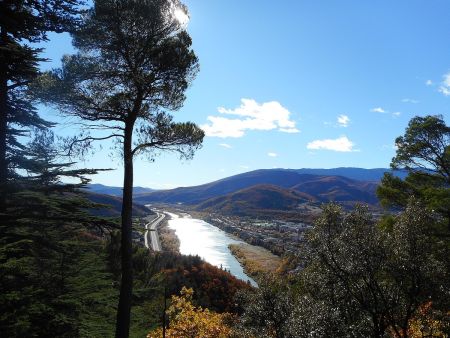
{"x": 255, "y": 260}
{"x": 169, "y": 240}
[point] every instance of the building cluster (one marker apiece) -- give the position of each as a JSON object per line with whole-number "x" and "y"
{"x": 280, "y": 237}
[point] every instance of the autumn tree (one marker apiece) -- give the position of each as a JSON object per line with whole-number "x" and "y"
{"x": 188, "y": 320}
{"x": 134, "y": 62}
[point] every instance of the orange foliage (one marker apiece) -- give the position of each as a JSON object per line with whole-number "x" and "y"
{"x": 214, "y": 288}
{"x": 187, "y": 320}
{"x": 425, "y": 324}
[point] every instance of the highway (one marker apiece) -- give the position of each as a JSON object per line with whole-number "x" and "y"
{"x": 151, "y": 228}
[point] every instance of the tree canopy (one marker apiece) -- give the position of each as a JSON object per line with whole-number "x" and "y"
{"x": 424, "y": 152}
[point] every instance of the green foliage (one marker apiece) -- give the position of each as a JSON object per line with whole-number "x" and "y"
{"x": 134, "y": 61}
{"x": 268, "y": 310}
{"x": 21, "y": 22}
{"x": 54, "y": 283}
{"x": 425, "y": 145}
{"x": 359, "y": 279}
{"x": 424, "y": 151}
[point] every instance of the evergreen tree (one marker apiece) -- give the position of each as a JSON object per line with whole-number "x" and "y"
{"x": 44, "y": 248}
{"x": 135, "y": 60}
{"x": 424, "y": 152}
{"x": 20, "y": 22}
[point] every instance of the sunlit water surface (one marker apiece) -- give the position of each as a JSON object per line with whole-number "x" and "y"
{"x": 207, "y": 241}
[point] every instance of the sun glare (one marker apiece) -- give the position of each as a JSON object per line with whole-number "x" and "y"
{"x": 181, "y": 16}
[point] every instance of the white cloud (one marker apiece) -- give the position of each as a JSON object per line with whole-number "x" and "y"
{"x": 289, "y": 130}
{"x": 343, "y": 120}
{"x": 225, "y": 145}
{"x": 428, "y": 83}
{"x": 342, "y": 144}
{"x": 444, "y": 88}
{"x": 396, "y": 114}
{"x": 407, "y": 100}
{"x": 272, "y": 154}
{"x": 250, "y": 116}
{"x": 378, "y": 110}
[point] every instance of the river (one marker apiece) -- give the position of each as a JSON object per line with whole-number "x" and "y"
{"x": 200, "y": 238}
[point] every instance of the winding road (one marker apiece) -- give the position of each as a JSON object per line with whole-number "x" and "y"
{"x": 154, "y": 238}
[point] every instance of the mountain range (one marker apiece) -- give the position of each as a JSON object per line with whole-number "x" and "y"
{"x": 344, "y": 185}
{"x": 260, "y": 192}
{"x": 115, "y": 191}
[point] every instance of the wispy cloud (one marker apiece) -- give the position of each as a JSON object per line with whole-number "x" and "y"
{"x": 378, "y": 110}
{"x": 389, "y": 147}
{"x": 250, "y": 116}
{"x": 341, "y": 144}
{"x": 428, "y": 83}
{"x": 385, "y": 111}
{"x": 225, "y": 145}
{"x": 408, "y": 100}
{"x": 444, "y": 88}
{"x": 343, "y": 120}
{"x": 271, "y": 154}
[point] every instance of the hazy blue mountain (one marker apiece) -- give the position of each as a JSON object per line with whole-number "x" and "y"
{"x": 374, "y": 174}
{"x": 115, "y": 191}
{"x": 114, "y": 205}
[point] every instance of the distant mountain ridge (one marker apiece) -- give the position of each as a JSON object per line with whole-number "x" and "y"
{"x": 362, "y": 174}
{"x": 113, "y": 206}
{"x": 321, "y": 184}
{"x": 115, "y": 191}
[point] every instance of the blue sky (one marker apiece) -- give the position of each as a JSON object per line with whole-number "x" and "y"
{"x": 298, "y": 84}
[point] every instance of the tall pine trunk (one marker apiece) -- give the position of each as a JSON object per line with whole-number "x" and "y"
{"x": 126, "y": 285}
{"x": 3, "y": 124}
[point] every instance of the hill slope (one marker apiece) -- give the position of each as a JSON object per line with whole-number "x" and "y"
{"x": 339, "y": 189}
{"x": 259, "y": 197}
{"x": 114, "y": 206}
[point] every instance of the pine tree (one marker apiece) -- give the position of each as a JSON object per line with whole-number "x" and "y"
{"x": 135, "y": 61}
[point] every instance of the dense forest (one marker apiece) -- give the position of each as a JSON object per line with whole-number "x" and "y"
{"x": 68, "y": 270}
